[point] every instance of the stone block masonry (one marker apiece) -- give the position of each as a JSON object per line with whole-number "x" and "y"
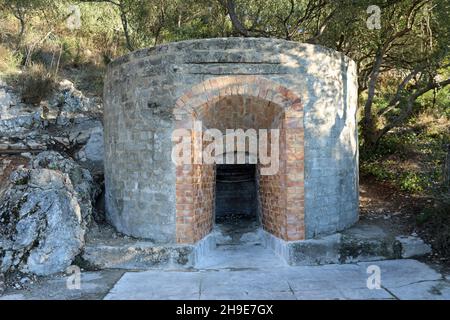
{"x": 307, "y": 92}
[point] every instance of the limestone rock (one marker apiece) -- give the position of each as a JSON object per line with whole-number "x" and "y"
{"x": 71, "y": 103}
{"x": 413, "y": 246}
{"x": 67, "y": 111}
{"x": 44, "y": 215}
{"x": 81, "y": 179}
{"x": 91, "y": 154}
{"x": 15, "y": 116}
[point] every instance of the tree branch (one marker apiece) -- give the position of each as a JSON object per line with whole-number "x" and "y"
{"x": 123, "y": 19}
{"x": 230, "y": 6}
{"x": 368, "y": 122}
{"x": 406, "y": 112}
{"x": 321, "y": 28}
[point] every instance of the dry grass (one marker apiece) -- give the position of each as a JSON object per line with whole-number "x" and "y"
{"x": 36, "y": 84}
{"x": 9, "y": 61}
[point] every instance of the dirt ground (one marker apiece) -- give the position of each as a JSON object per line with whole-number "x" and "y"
{"x": 399, "y": 210}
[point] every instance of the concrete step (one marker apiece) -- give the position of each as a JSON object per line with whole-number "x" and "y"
{"x": 138, "y": 255}
{"x": 361, "y": 243}
{"x": 253, "y": 249}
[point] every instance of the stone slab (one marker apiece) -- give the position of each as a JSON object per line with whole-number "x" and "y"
{"x": 138, "y": 255}
{"x": 357, "y": 244}
{"x": 362, "y": 242}
{"x": 94, "y": 285}
{"x": 400, "y": 279}
{"x": 423, "y": 290}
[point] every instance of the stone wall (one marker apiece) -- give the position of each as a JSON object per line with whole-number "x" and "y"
{"x": 146, "y": 89}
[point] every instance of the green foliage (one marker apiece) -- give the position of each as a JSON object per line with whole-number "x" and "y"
{"x": 378, "y": 170}
{"x": 196, "y": 20}
{"x": 436, "y": 220}
{"x": 70, "y": 50}
{"x": 412, "y": 182}
{"x": 411, "y": 158}
{"x": 153, "y": 22}
{"x": 392, "y": 171}
{"x": 437, "y": 102}
{"x": 414, "y": 35}
{"x": 100, "y": 30}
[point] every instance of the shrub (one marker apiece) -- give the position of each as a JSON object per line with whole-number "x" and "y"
{"x": 412, "y": 182}
{"x": 36, "y": 84}
{"x": 435, "y": 220}
{"x": 381, "y": 171}
{"x": 90, "y": 79}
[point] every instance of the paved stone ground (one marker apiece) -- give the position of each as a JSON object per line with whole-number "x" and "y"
{"x": 250, "y": 272}
{"x": 94, "y": 286}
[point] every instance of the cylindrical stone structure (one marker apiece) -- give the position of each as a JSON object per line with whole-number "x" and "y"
{"x": 307, "y": 92}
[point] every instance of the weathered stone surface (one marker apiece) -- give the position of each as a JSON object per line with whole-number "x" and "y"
{"x": 67, "y": 120}
{"x": 63, "y": 107}
{"x": 141, "y": 92}
{"x": 362, "y": 242}
{"x": 42, "y": 224}
{"x": 15, "y": 117}
{"x": 413, "y": 246}
{"x": 72, "y": 103}
{"x": 423, "y": 290}
{"x": 44, "y": 215}
{"x": 93, "y": 286}
{"x": 81, "y": 179}
{"x": 2, "y": 283}
{"x": 105, "y": 248}
{"x": 138, "y": 255}
{"x": 91, "y": 154}
{"x": 416, "y": 281}
{"x": 315, "y": 251}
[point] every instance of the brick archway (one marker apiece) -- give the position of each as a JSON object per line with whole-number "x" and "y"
{"x": 282, "y": 195}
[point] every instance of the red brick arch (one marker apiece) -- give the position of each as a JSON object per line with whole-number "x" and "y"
{"x": 282, "y": 195}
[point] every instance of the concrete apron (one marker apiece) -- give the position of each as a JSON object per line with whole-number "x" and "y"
{"x": 360, "y": 243}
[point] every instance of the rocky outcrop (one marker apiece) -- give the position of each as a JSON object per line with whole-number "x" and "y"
{"x": 68, "y": 121}
{"x": 46, "y": 206}
{"x": 81, "y": 179}
{"x": 91, "y": 154}
{"x": 15, "y": 116}
{"x": 66, "y": 106}
{"x": 69, "y": 103}
{"x": 44, "y": 215}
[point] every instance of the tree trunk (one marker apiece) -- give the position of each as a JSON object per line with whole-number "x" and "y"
{"x": 123, "y": 18}
{"x": 21, "y": 17}
{"x": 231, "y": 9}
{"x": 368, "y": 125}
